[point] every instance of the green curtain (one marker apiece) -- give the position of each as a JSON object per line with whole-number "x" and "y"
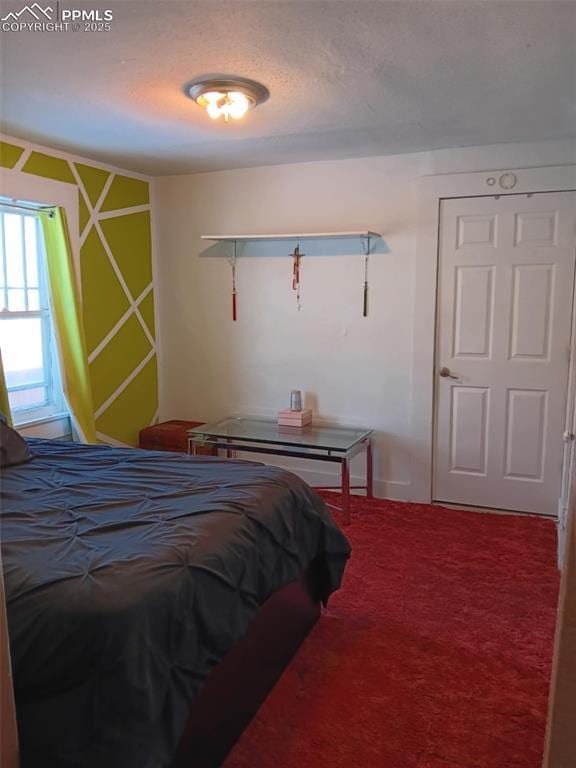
{"x": 67, "y": 318}
{"x": 4, "y": 402}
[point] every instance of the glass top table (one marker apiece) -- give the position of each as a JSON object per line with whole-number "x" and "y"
{"x": 320, "y": 443}
{"x": 328, "y": 438}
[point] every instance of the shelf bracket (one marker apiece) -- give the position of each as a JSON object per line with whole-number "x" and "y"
{"x": 232, "y": 261}
{"x": 365, "y": 243}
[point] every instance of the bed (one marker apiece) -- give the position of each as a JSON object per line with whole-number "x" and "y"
{"x": 153, "y": 599}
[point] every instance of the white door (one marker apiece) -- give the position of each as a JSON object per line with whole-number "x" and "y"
{"x": 506, "y": 276}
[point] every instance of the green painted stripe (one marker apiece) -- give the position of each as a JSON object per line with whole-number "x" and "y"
{"x": 93, "y": 180}
{"x": 126, "y": 192}
{"x": 50, "y": 167}
{"x": 9, "y": 154}
{"x": 134, "y": 408}
{"x": 129, "y": 240}
{"x": 123, "y": 353}
{"x": 103, "y": 298}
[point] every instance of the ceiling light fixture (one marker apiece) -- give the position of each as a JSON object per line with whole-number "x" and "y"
{"x": 227, "y": 97}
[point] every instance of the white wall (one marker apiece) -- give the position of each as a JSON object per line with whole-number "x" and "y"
{"x": 357, "y": 370}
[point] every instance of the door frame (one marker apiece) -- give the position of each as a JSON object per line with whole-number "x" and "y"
{"x": 434, "y": 189}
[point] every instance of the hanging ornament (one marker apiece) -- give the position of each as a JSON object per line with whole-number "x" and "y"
{"x": 365, "y": 304}
{"x": 233, "y": 265}
{"x": 296, "y": 255}
{"x": 366, "y": 249}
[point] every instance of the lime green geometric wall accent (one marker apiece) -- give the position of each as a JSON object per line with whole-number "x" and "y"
{"x": 130, "y": 243}
{"x": 123, "y": 353}
{"x": 103, "y": 300}
{"x": 125, "y": 191}
{"x": 117, "y": 286}
{"x": 83, "y": 212}
{"x": 93, "y": 180}
{"x": 9, "y": 154}
{"x": 133, "y": 408}
{"x": 51, "y": 167}
{"x": 146, "y": 308}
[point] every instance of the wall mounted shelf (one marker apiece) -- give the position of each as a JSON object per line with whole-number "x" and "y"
{"x": 292, "y": 236}
{"x": 365, "y": 237}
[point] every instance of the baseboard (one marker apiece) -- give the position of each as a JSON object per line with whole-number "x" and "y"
{"x": 383, "y": 489}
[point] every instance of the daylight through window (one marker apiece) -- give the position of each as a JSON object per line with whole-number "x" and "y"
{"x": 26, "y": 337}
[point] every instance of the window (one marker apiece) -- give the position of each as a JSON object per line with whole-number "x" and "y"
{"x": 26, "y": 337}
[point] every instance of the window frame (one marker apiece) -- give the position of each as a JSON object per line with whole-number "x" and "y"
{"x": 54, "y": 404}
{"x": 44, "y": 191}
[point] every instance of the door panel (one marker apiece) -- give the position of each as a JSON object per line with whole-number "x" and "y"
{"x": 506, "y": 275}
{"x": 469, "y": 425}
{"x": 532, "y": 302}
{"x": 536, "y": 228}
{"x": 473, "y": 311}
{"x": 526, "y": 421}
{"x": 476, "y": 230}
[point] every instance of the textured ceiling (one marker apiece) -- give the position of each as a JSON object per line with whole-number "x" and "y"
{"x": 347, "y": 79}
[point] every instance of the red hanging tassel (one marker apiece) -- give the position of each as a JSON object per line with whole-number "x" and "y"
{"x": 296, "y": 273}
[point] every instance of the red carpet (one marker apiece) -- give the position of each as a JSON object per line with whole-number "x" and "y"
{"x": 436, "y": 653}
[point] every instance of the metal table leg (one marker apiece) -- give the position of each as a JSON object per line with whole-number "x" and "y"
{"x": 369, "y": 471}
{"x": 346, "y": 491}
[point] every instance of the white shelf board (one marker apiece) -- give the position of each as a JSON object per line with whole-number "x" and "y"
{"x": 292, "y": 236}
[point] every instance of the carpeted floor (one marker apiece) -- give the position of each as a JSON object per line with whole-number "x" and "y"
{"x": 436, "y": 653}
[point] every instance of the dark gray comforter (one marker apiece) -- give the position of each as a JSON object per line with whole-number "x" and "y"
{"x": 129, "y": 574}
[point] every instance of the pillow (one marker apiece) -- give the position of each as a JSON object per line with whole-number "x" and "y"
{"x": 13, "y": 448}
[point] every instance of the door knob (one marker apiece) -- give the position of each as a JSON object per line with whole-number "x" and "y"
{"x": 445, "y": 373}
